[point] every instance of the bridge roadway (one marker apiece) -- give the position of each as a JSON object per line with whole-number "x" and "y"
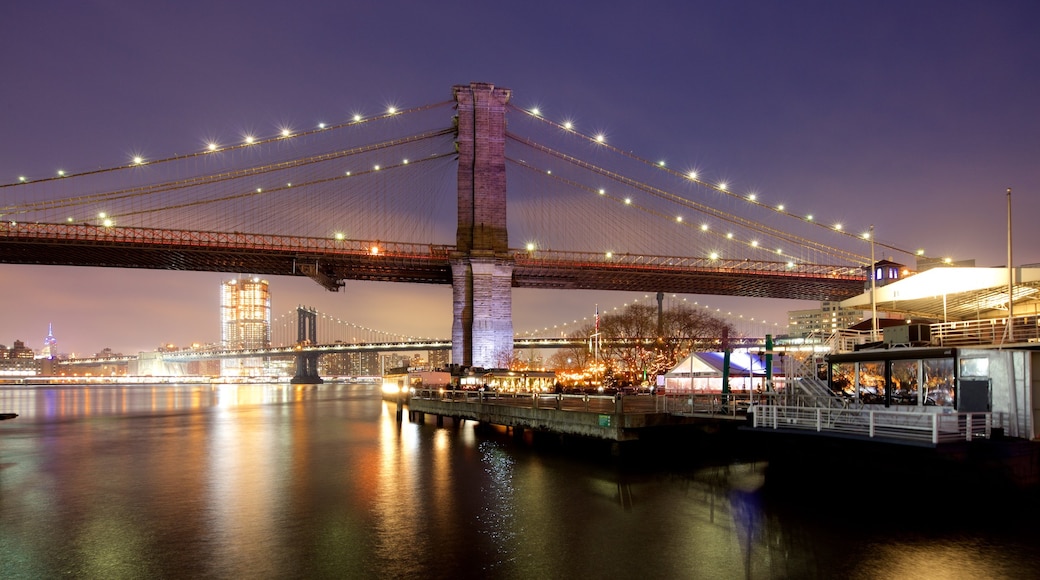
{"x": 400, "y": 346}
{"x": 331, "y": 261}
{"x": 616, "y": 418}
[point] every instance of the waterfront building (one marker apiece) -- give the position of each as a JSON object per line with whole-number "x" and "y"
{"x": 438, "y": 359}
{"x": 830, "y": 317}
{"x": 17, "y": 360}
{"x": 245, "y": 322}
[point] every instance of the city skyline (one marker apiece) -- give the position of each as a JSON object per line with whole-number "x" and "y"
{"x": 914, "y": 119}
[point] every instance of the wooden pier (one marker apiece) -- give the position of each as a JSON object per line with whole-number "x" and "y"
{"x": 612, "y": 418}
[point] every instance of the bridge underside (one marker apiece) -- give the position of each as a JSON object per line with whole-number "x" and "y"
{"x": 329, "y": 267}
{"x": 676, "y": 280}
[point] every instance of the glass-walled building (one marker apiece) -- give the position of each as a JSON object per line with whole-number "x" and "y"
{"x": 1001, "y": 381}
{"x": 245, "y": 322}
{"x": 889, "y": 377}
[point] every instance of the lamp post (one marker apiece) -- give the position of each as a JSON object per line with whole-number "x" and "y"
{"x": 1011, "y": 275}
{"x": 873, "y": 290}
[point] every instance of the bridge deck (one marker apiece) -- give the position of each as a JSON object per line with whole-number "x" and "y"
{"x": 330, "y": 261}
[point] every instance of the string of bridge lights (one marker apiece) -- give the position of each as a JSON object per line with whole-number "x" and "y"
{"x": 700, "y": 207}
{"x": 564, "y": 327}
{"x": 107, "y": 219}
{"x": 722, "y": 187}
{"x": 286, "y": 132}
{"x": 247, "y": 140}
{"x": 261, "y": 190}
{"x": 703, "y": 227}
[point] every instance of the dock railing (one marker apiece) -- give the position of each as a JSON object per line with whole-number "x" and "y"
{"x": 927, "y": 427}
{"x": 730, "y": 404}
{"x": 716, "y": 404}
{"x": 536, "y": 400}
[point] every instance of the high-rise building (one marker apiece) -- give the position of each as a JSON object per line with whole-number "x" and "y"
{"x": 827, "y": 319}
{"x": 50, "y": 344}
{"x": 245, "y": 322}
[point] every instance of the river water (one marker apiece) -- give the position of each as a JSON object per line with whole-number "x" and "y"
{"x": 281, "y": 481}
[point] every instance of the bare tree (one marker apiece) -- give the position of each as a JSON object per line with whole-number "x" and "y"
{"x": 631, "y": 348}
{"x": 641, "y": 353}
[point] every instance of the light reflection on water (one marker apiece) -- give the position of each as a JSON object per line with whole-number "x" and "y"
{"x": 263, "y": 481}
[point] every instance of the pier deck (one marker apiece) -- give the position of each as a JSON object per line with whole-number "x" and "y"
{"x": 614, "y": 418}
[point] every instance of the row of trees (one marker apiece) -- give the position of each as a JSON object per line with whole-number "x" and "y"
{"x": 636, "y": 344}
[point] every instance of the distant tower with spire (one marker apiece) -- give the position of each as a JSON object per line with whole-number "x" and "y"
{"x": 50, "y": 344}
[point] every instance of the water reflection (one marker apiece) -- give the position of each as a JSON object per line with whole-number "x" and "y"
{"x": 310, "y": 482}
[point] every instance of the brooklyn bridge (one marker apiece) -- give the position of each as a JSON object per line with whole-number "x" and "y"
{"x": 472, "y": 191}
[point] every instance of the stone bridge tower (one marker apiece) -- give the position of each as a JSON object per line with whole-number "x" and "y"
{"x": 482, "y": 267}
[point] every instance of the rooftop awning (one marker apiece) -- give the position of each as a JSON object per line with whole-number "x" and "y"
{"x": 956, "y": 294}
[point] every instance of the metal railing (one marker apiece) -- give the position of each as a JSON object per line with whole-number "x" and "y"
{"x": 731, "y": 404}
{"x": 924, "y": 427}
{"x": 987, "y": 331}
{"x": 689, "y": 404}
{"x": 536, "y": 400}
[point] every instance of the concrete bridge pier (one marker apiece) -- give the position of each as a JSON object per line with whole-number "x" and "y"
{"x": 306, "y": 370}
{"x": 482, "y": 305}
{"x": 306, "y": 333}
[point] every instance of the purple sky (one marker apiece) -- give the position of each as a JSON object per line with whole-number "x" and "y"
{"x": 913, "y": 116}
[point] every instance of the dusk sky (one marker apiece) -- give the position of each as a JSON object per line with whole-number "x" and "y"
{"x": 911, "y": 116}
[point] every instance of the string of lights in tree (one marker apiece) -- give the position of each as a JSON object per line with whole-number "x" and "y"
{"x": 577, "y": 324}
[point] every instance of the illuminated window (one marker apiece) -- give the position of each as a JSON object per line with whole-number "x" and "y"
{"x": 905, "y": 382}
{"x": 939, "y": 381}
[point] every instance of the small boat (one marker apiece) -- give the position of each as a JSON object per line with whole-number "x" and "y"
{"x": 4, "y": 416}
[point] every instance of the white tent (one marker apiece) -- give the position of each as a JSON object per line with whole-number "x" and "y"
{"x": 702, "y": 372}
